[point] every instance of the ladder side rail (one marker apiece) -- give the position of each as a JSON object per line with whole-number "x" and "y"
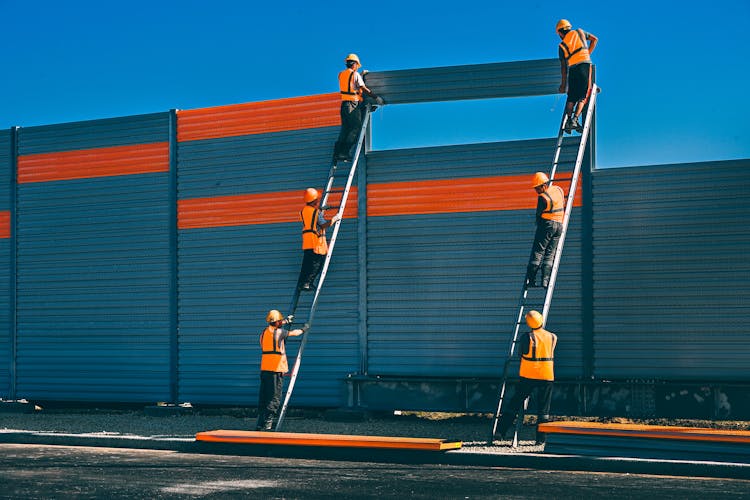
{"x": 298, "y": 359}
{"x": 569, "y": 204}
{"x": 558, "y": 148}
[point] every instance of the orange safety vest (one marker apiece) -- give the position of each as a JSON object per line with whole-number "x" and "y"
{"x": 575, "y": 49}
{"x": 539, "y": 364}
{"x": 312, "y": 237}
{"x": 345, "y": 86}
{"x": 555, "y": 198}
{"x": 273, "y": 357}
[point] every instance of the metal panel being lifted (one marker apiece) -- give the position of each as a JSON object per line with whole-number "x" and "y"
{"x": 6, "y": 269}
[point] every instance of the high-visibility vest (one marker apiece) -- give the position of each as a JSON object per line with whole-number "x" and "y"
{"x": 555, "y": 199}
{"x": 273, "y": 358}
{"x": 346, "y": 80}
{"x": 310, "y": 230}
{"x": 539, "y": 363}
{"x": 575, "y": 49}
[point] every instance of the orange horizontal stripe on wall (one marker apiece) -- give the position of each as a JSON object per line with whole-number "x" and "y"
{"x": 249, "y": 209}
{"x": 294, "y": 113}
{"x": 4, "y": 224}
{"x": 97, "y": 162}
{"x": 476, "y": 194}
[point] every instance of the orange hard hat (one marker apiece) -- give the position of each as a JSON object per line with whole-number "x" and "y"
{"x": 534, "y": 319}
{"x": 563, "y": 24}
{"x": 311, "y": 194}
{"x": 352, "y": 57}
{"x": 539, "y": 179}
{"x": 273, "y": 316}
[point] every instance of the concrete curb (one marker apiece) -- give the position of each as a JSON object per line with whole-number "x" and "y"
{"x": 462, "y": 457}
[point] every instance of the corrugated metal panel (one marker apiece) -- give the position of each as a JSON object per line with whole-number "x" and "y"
{"x": 94, "y": 271}
{"x": 671, "y": 269}
{"x": 443, "y": 287}
{"x": 476, "y": 81}
{"x": 6, "y": 355}
{"x": 231, "y": 275}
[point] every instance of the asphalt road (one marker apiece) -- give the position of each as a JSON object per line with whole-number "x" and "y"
{"x": 42, "y": 471}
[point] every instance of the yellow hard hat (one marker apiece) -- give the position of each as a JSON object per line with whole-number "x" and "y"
{"x": 311, "y": 194}
{"x": 534, "y": 319}
{"x": 539, "y": 179}
{"x": 273, "y": 316}
{"x": 563, "y": 24}
{"x": 352, "y": 57}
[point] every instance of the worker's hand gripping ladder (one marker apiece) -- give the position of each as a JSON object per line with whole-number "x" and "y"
{"x": 324, "y": 271}
{"x": 524, "y": 306}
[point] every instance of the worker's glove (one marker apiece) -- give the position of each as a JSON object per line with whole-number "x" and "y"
{"x": 335, "y": 218}
{"x": 305, "y": 328}
{"x": 364, "y": 72}
{"x": 379, "y": 100}
{"x": 290, "y": 318}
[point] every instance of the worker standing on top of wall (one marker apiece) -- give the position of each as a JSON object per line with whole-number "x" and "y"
{"x": 575, "y": 68}
{"x": 550, "y": 211}
{"x": 537, "y": 352}
{"x": 351, "y": 86}
{"x": 314, "y": 244}
{"x": 273, "y": 366}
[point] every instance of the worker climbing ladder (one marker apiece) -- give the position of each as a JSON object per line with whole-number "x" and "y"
{"x": 529, "y": 301}
{"x": 331, "y": 244}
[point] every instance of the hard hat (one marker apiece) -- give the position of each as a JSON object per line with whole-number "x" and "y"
{"x": 311, "y": 194}
{"x": 273, "y": 316}
{"x": 352, "y": 57}
{"x": 534, "y": 319}
{"x": 563, "y": 24}
{"x": 539, "y": 179}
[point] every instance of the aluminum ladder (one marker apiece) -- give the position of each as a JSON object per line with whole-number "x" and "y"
{"x": 527, "y": 302}
{"x": 331, "y": 244}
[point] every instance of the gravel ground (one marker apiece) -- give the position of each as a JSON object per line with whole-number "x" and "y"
{"x": 471, "y": 430}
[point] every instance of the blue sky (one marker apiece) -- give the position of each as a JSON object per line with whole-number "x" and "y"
{"x": 674, "y": 74}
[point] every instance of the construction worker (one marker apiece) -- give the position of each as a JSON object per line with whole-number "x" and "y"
{"x": 314, "y": 244}
{"x": 537, "y": 352}
{"x": 273, "y": 366}
{"x": 550, "y": 211}
{"x": 351, "y": 86}
{"x": 575, "y": 68}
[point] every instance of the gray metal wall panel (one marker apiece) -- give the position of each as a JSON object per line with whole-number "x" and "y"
{"x": 5, "y": 268}
{"x": 477, "y": 81}
{"x": 443, "y": 288}
{"x": 93, "y": 274}
{"x": 121, "y": 131}
{"x": 671, "y": 268}
{"x": 229, "y": 277}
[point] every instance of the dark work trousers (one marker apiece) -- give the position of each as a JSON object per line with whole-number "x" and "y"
{"x": 351, "y": 123}
{"x": 269, "y": 399}
{"x": 547, "y": 237}
{"x": 524, "y": 389}
{"x": 311, "y": 265}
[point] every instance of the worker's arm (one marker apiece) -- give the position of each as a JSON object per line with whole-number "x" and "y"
{"x": 593, "y": 40}
{"x": 541, "y": 205}
{"x": 523, "y": 345}
{"x": 299, "y": 331}
{"x": 563, "y": 76}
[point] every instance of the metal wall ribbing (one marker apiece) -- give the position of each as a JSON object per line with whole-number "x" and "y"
{"x": 442, "y": 288}
{"x": 6, "y": 274}
{"x": 230, "y": 276}
{"x": 94, "y": 263}
{"x": 671, "y": 269}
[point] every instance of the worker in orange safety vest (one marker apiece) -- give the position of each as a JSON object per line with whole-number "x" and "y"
{"x": 314, "y": 244}
{"x": 575, "y": 67}
{"x": 550, "y": 211}
{"x": 537, "y": 352}
{"x": 351, "y": 87}
{"x": 273, "y": 366}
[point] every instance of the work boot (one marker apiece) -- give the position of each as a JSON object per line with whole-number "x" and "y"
{"x": 577, "y": 125}
{"x": 568, "y": 124}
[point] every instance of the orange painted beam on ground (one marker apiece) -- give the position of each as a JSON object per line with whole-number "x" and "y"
{"x": 278, "y": 115}
{"x": 474, "y": 194}
{"x": 646, "y": 431}
{"x": 250, "y": 209}
{"x": 96, "y": 162}
{"x": 326, "y": 440}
